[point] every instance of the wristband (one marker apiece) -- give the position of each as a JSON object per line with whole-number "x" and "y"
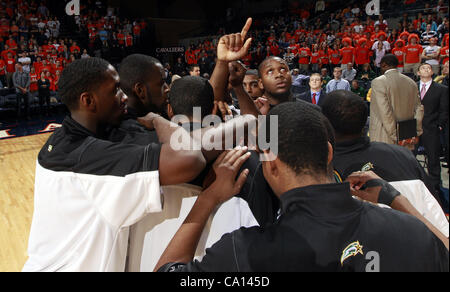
{"x": 387, "y": 193}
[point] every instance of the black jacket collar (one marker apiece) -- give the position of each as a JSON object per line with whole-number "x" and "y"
{"x": 351, "y": 146}
{"x": 330, "y": 200}
{"x": 72, "y": 127}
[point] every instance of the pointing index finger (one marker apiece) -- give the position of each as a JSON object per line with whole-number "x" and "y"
{"x": 246, "y": 28}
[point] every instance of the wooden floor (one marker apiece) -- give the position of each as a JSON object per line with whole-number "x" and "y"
{"x": 17, "y": 165}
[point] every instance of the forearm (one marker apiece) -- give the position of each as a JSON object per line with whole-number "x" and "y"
{"x": 219, "y": 80}
{"x": 245, "y": 102}
{"x": 402, "y": 204}
{"x": 181, "y": 248}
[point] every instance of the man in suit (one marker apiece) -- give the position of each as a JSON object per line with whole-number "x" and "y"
{"x": 394, "y": 99}
{"x": 434, "y": 98}
{"x": 315, "y": 95}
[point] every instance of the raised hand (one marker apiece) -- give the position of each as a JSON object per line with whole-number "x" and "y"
{"x": 226, "y": 169}
{"x": 233, "y": 47}
{"x": 237, "y": 73}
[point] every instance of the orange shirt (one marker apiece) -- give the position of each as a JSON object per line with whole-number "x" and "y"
{"x": 304, "y": 54}
{"x": 347, "y": 55}
{"x": 413, "y": 54}
{"x": 399, "y": 53}
{"x": 2, "y": 67}
{"x": 362, "y": 55}
{"x": 10, "y": 65}
{"x": 335, "y": 56}
{"x": 129, "y": 41}
{"x": 324, "y": 58}
{"x": 444, "y": 52}
{"x": 33, "y": 82}
{"x": 315, "y": 57}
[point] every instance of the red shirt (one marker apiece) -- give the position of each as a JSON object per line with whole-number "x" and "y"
{"x": 413, "y": 54}
{"x": 335, "y": 56}
{"x": 2, "y": 67}
{"x": 12, "y": 44}
{"x": 444, "y": 52}
{"x": 324, "y": 58}
{"x": 121, "y": 38}
{"x": 315, "y": 58}
{"x": 129, "y": 41}
{"x": 362, "y": 55}
{"x": 137, "y": 29}
{"x": 37, "y": 66}
{"x": 304, "y": 54}
{"x": 74, "y": 48}
{"x": 33, "y": 82}
{"x": 347, "y": 55}
{"x": 399, "y": 53}
{"x": 10, "y": 65}
{"x": 190, "y": 57}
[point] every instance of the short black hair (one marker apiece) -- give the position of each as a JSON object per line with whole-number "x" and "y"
{"x": 80, "y": 76}
{"x": 191, "y": 67}
{"x": 252, "y": 72}
{"x": 390, "y": 60}
{"x": 135, "y": 69}
{"x": 302, "y": 138}
{"x": 189, "y": 92}
{"x": 346, "y": 111}
{"x": 270, "y": 58}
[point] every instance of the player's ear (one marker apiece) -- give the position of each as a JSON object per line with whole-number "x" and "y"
{"x": 87, "y": 101}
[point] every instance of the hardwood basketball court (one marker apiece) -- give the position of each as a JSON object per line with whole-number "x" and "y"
{"x": 17, "y": 166}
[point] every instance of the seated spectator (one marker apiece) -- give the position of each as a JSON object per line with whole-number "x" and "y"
{"x": 348, "y": 115}
{"x": 361, "y": 92}
{"x": 366, "y": 74}
{"x": 349, "y": 73}
{"x": 325, "y": 77}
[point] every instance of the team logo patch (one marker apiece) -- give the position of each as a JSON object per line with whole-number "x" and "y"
{"x": 351, "y": 250}
{"x": 369, "y": 166}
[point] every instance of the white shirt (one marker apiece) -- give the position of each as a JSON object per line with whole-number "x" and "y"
{"x": 81, "y": 222}
{"x": 427, "y": 86}
{"x": 430, "y": 50}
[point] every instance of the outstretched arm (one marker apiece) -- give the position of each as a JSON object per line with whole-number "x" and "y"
{"x": 229, "y": 48}
{"x": 379, "y": 191}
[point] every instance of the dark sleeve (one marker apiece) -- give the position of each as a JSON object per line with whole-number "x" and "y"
{"x": 101, "y": 157}
{"x": 443, "y": 106}
{"x": 221, "y": 257}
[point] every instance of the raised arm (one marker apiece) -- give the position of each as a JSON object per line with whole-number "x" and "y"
{"x": 229, "y": 48}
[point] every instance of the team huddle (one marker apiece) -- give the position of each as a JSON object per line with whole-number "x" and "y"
{"x": 315, "y": 200}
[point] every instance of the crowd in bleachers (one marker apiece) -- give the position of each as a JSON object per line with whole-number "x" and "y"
{"x": 30, "y": 35}
{"x": 346, "y": 37}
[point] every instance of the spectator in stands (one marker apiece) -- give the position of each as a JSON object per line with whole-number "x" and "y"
{"x": 362, "y": 54}
{"x": 21, "y": 82}
{"x": 194, "y": 70}
{"x": 379, "y": 53}
{"x": 44, "y": 94}
{"x": 431, "y": 55}
{"x": 337, "y": 83}
{"x": 325, "y": 77}
{"x": 10, "y": 69}
{"x": 427, "y": 35}
{"x": 399, "y": 52}
{"x": 413, "y": 54}
{"x": 2, "y": 73}
{"x": 349, "y": 73}
{"x": 366, "y": 74}
{"x": 347, "y": 53}
{"x": 358, "y": 89}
